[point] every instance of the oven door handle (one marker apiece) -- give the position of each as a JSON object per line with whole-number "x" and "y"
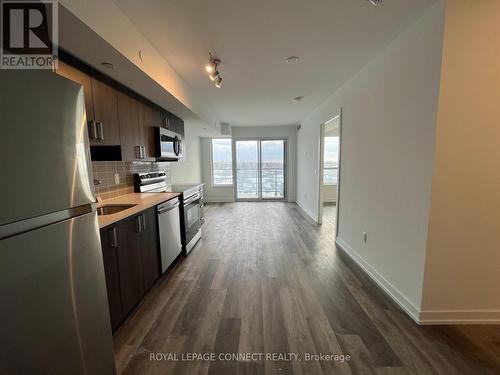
{"x": 192, "y": 199}
{"x": 168, "y": 208}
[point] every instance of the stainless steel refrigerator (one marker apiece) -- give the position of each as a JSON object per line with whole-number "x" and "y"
{"x": 53, "y": 306}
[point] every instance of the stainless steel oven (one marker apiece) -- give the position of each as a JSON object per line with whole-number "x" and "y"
{"x": 168, "y": 145}
{"x": 193, "y": 217}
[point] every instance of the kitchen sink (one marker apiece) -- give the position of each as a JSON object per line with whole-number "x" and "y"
{"x": 110, "y": 209}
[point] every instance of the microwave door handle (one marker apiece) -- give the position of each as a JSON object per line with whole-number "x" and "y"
{"x": 176, "y": 146}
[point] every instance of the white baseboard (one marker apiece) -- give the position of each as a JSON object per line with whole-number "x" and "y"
{"x": 304, "y": 211}
{"x": 432, "y": 317}
{"x": 422, "y": 317}
{"x": 398, "y": 297}
{"x": 219, "y": 201}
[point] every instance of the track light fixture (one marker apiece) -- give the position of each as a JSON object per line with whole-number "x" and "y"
{"x": 213, "y": 73}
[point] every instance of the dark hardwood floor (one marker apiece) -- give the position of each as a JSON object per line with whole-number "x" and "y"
{"x": 265, "y": 279}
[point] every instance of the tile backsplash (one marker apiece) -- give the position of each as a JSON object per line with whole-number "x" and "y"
{"x": 106, "y": 170}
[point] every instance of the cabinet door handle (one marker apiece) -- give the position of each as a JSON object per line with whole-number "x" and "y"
{"x": 138, "y": 228}
{"x": 100, "y": 131}
{"x": 114, "y": 242}
{"x": 92, "y": 129}
{"x": 143, "y": 222}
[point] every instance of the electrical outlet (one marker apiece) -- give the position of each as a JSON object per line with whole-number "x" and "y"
{"x": 117, "y": 178}
{"x": 365, "y": 237}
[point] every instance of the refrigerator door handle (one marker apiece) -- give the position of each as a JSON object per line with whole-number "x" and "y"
{"x": 18, "y": 227}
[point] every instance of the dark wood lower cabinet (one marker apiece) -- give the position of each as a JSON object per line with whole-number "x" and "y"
{"x": 149, "y": 248}
{"x": 131, "y": 262}
{"x": 110, "y": 258}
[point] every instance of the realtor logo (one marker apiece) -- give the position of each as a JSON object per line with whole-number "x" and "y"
{"x": 28, "y": 34}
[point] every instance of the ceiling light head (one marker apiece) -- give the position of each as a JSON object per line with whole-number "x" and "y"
{"x": 292, "y": 59}
{"x": 218, "y": 82}
{"x": 213, "y": 76}
{"x": 375, "y": 2}
{"x": 108, "y": 65}
{"x": 210, "y": 68}
{"x": 298, "y": 99}
{"x": 213, "y": 62}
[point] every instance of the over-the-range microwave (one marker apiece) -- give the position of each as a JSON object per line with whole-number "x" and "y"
{"x": 169, "y": 146}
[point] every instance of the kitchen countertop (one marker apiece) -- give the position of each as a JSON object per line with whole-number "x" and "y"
{"x": 143, "y": 201}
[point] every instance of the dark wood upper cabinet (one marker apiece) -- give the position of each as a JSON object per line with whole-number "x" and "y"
{"x": 119, "y": 119}
{"x": 130, "y": 263}
{"x": 128, "y": 115}
{"x": 104, "y": 97}
{"x": 174, "y": 123}
{"x": 110, "y": 259}
{"x": 146, "y": 126}
{"x": 83, "y": 78}
{"x": 149, "y": 248}
{"x": 179, "y": 126}
{"x": 160, "y": 117}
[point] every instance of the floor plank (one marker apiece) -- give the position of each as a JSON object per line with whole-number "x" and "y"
{"x": 265, "y": 279}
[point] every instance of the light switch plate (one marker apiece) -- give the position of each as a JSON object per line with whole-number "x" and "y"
{"x": 117, "y": 178}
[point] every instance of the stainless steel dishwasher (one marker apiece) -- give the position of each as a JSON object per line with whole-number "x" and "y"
{"x": 170, "y": 232}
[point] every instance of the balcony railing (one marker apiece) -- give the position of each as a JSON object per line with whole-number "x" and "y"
{"x": 273, "y": 183}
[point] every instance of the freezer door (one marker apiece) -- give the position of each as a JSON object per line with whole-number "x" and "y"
{"x": 43, "y": 145}
{"x": 54, "y": 315}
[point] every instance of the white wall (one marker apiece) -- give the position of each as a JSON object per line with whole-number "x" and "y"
{"x": 463, "y": 252}
{"x": 188, "y": 170}
{"x": 388, "y": 132}
{"x": 226, "y": 194}
{"x": 212, "y": 193}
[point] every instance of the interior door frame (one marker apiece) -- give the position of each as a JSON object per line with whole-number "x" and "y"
{"x": 259, "y": 156}
{"x": 321, "y": 159}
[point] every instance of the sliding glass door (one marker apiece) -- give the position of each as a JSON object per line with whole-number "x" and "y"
{"x": 260, "y": 169}
{"x": 272, "y": 168}
{"x": 247, "y": 170}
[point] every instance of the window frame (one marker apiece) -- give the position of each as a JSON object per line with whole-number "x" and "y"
{"x": 330, "y": 168}
{"x": 212, "y": 169}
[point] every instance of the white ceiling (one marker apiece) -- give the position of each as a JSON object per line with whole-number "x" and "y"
{"x": 334, "y": 39}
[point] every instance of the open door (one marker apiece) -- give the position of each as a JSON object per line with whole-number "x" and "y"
{"x": 329, "y": 171}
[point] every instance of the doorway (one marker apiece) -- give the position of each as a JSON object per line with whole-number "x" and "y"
{"x": 260, "y": 169}
{"x": 329, "y": 168}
